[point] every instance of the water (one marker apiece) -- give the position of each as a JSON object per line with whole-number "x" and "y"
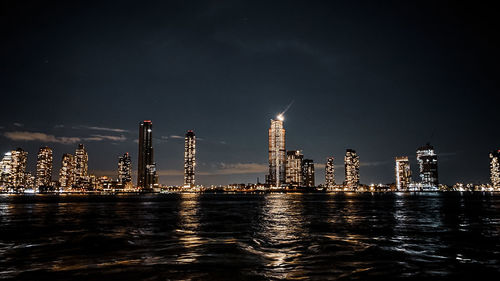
{"x": 443, "y": 236}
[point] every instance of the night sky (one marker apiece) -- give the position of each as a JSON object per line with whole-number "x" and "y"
{"x": 379, "y": 77}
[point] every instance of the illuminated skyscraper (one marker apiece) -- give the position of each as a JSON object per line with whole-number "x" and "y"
{"x": 125, "y": 169}
{"x": 495, "y": 168}
{"x": 146, "y": 168}
{"x": 6, "y": 169}
{"x": 428, "y": 165}
{"x": 351, "y": 161}
{"x": 29, "y": 181}
{"x": 329, "y": 173}
{"x": 81, "y": 165}
{"x": 67, "y": 172}
{"x": 403, "y": 173}
{"x": 189, "y": 158}
{"x": 17, "y": 174}
{"x": 308, "y": 172}
{"x": 294, "y": 176}
{"x": 44, "y": 167}
{"x": 277, "y": 153}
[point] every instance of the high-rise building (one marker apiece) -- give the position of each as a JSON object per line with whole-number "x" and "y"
{"x": 44, "y": 167}
{"x": 146, "y": 168}
{"x": 29, "y": 181}
{"x": 67, "y": 172}
{"x": 329, "y": 173}
{"x": 277, "y": 153}
{"x": 428, "y": 166}
{"x": 294, "y": 176}
{"x": 18, "y": 164}
{"x": 351, "y": 161}
{"x": 81, "y": 166}
{"x": 403, "y": 173}
{"x": 308, "y": 173}
{"x": 125, "y": 169}
{"x": 6, "y": 169}
{"x": 189, "y": 158}
{"x": 495, "y": 168}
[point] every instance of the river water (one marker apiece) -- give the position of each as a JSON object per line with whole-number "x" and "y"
{"x": 340, "y": 236}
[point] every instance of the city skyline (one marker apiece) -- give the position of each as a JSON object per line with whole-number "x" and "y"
{"x": 426, "y": 174}
{"x": 296, "y": 171}
{"x": 380, "y": 78}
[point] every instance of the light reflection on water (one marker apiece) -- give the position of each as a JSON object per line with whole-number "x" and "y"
{"x": 250, "y": 237}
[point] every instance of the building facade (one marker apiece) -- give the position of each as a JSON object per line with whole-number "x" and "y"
{"x": 495, "y": 168}
{"x": 308, "y": 173}
{"x": 125, "y": 169}
{"x": 6, "y": 169}
{"x": 403, "y": 173}
{"x": 146, "y": 168}
{"x": 329, "y": 173}
{"x": 44, "y": 167}
{"x": 428, "y": 166}
{"x": 67, "y": 171}
{"x": 81, "y": 166}
{"x": 189, "y": 159}
{"x": 18, "y": 168}
{"x": 351, "y": 162}
{"x": 293, "y": 165}
{"x": 277, "y": 153}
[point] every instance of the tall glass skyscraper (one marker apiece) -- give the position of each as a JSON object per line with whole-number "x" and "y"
{"x": 44, "y": 167}
{"x": 277, "y": 153}
{"x": 428, "y": 166}
{"x": 146, "y": 168}
{"x": 351, "y": 161}
{"x": 189, "y": 158}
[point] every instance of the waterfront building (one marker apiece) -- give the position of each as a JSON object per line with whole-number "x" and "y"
{"x": 6, "y": 169}
{"x": 146, "y": 168}
{"x": 495, "y": 168}
{"x": 125, "y": 169}
{"x": 308, "y": 173}
{"x": 351, "y": 162}
{"x": 81, "y": 166}
{"x": 329, "y": 173}
{"x": 189, "y": 159}
{"x": 67, "y": 172}
{"x": 18, "y": 167}
{"x": 29, "y": 181}
{"x": 403, "y": 173}
{"x": 294, "y": 177}
{"x": 277, "y": 153}
{"x": 428, "y": 167}
{"x": 44, "y": 167}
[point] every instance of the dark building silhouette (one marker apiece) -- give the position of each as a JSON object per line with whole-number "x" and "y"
{"x": 125, "y": 169}
{"x": 428, "y": 166}
{"x": 146, "y": 168}
{"x": 308, "y": 172}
